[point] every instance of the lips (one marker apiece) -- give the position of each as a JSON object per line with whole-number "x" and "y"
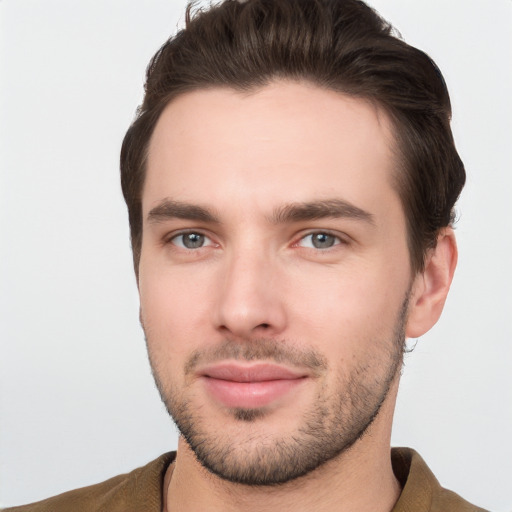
{"x": 253, "y": 373}
{"x": 249, "y": 386}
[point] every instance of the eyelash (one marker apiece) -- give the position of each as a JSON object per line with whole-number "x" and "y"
{"x": 336, "y": 240}
{"x": 182, "y": 234}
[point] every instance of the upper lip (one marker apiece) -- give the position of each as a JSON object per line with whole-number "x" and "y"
{"x": 259, "y": 372}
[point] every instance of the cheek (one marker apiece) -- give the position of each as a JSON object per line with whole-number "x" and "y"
{"x": 173, "y": 308}
{"x": 345, "y": 311}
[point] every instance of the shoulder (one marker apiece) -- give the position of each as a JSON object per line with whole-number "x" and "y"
{"x": 421, "y": 492}
{"x": 141, "y": 489}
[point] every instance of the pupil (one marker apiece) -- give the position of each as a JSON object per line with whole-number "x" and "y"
{"x": 193, "y": 240}
{"x": 323, "y": 240}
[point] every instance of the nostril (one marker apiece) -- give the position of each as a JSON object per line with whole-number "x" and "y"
{"x": 264, "y": 326}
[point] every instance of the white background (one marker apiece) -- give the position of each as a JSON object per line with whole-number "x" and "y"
{"x": 77, "y": 401}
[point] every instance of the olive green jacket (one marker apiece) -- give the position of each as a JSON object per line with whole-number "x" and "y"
{"x": 142, "y": 490}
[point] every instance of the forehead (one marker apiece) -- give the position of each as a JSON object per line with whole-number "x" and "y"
{"x": 283, "y": 142}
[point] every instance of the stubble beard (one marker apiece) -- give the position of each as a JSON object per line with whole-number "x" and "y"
{"x": 333, "y": 423}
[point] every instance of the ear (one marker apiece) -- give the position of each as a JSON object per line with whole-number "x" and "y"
{"x": 431, "y": 286}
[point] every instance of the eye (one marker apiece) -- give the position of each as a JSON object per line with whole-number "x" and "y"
{"x": 319, "y": 240}
{"x": 191, "y": 240}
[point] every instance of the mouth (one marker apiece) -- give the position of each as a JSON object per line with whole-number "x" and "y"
{"x": 250, "y": 386}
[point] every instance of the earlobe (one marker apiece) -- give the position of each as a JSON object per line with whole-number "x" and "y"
{"x": 430, "y": 288}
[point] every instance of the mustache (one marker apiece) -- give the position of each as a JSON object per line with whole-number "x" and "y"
{"x": 264, "y": 349}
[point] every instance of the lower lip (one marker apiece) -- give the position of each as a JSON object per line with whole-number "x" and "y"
{"x": 250, "y": 395}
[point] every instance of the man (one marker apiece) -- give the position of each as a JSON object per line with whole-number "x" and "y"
{"x": 290, "y": 181}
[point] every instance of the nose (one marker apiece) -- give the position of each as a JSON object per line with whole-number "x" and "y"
{"x": 250, "y": 299}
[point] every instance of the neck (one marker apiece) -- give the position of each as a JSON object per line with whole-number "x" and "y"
{"x": 359, "y": 479}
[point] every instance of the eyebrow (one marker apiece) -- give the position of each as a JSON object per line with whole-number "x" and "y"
{"x": 286, "y": 214}
{"x": 315, "y": 210}
{"x": 168, "y": 209}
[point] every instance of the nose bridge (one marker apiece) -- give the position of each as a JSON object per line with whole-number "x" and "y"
{"x": 249, "y": 298}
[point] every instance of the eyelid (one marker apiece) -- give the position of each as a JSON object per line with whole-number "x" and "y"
{"x": 341, "y": 239}
{"x": 169, "y": 238}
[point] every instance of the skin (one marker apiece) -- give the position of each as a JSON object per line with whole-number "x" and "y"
{"x": 256, "y": 282}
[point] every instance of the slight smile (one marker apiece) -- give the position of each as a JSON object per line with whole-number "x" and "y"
{"x": 236, "y": 385}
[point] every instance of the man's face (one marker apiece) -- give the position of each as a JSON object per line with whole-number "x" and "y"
{"x": 274, "y": 275}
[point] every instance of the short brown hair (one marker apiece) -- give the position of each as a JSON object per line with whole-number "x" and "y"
{"x": 340, "y": 45}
